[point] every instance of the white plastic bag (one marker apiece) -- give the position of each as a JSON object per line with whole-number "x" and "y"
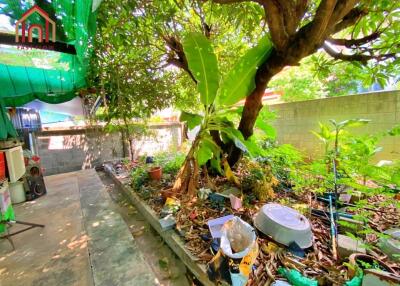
{"x": 237, "y": 238}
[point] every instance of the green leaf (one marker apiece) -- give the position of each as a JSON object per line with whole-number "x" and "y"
{"x": 375, "y": 172}
{"x": 396, "y": 179}
{"x": 216, "y": 165}
{"x": 325, "y": 132}
{"x": 266, "y": 128}
{"x": 352, "y": 123}
{"x": 236, "y": 136}
{"x": 192, "y": 120}
{"x": 204, "y": 153}
{"x": 207, "y": 147}
{"x": 239, "y": 82}
{"x": 203, "y": 65}
{"x": 209, "y": 142}
{"x": 395, "y": 131}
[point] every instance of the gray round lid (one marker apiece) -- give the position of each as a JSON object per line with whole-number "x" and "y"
{"x": 286, "y": 217}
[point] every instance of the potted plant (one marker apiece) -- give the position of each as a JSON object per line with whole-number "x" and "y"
{"x": 155, "y": 173}
{"x": 155, "y": 170}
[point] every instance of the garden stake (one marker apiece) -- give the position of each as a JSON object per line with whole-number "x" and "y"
{"x": 332, "y": 216}
{"x": 333, "y": 228}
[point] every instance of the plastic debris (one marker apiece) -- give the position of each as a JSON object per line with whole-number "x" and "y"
{"x": 233, "y": 271}
{"x": 203, "y": 193}
{"x": 295, "y": 277}
{"x": 356, "y": 281}
{"x": 217, "y": 201}
{"x": 171, "y": 206}
{"x": 215, "y": 225}
{"x": 236, "y": 203}
{"x": 391, "y": 245}
{"x": 149, "y": 159}
{"x": 295, "y": 249}
{"x": 237, "y": 238}
{"x": 280, "y": 283}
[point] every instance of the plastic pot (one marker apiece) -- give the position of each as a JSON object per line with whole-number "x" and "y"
{"x": 155, "y": 173}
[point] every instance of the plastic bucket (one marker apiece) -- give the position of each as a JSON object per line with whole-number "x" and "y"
{"x": 17, "y": 192}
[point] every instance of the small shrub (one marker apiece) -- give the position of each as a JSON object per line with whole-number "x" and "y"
{"x": 171, "y": 163}
{"x": 139, "y": 177}
{"x": 258, "y": 179}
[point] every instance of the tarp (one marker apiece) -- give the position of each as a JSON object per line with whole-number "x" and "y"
{"x": 49, "y": 76}
{"x": 6, "y": 128}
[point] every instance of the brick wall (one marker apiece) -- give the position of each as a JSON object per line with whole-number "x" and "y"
{"x": 296, "y": 120}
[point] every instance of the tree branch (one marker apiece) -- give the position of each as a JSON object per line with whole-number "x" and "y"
{"x": 231, "y": 1}
{"x": 321, "y": 20}
{"x": 351, "y": 43}
{"x": 301, "y": 7}
{"x": 342, "y": 8}
{"x": 356, "y": 57}
{"x": 177, "y": 57}
{"x": 349, "y": 20}
{"x": 289, "y": 15}
{"x": 276, "y": 24}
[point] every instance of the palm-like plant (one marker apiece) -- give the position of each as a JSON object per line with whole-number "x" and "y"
{"x": 218, "y": 97}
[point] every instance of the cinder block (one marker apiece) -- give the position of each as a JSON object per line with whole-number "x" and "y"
{"x": 348, "y": 246}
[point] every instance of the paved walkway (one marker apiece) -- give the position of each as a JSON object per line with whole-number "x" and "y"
{"x": 84, "y": 241}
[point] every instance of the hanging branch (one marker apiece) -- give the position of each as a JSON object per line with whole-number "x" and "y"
{"x": 363, "y": 58}
{"x": 351, "y": 43}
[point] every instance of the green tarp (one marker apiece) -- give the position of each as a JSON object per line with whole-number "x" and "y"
{"x": 49, "y": 76}
{"x": 6, "y": 128}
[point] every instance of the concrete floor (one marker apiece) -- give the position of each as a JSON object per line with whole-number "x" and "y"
{"x": 85, "y": 241}
{"x": 168, "y": 268}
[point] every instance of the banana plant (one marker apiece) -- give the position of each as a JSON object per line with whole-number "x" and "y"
{"x": 218, "y": 96}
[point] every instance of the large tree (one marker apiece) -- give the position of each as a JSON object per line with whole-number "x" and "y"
{"x": 363, "y": 32}
{"x": 349, "y": 30}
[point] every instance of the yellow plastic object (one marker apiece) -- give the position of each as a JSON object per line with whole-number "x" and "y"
{"x": 248, "y": 261}
{"x": 229, "y": 174}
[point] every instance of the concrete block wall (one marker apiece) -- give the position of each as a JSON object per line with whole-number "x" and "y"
{"x": 70, "y": 150}
{"x": 296, "y": 120}
{"x": 162, "y": 137}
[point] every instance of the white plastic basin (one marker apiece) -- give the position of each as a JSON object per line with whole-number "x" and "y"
{"x": 285, "y": 225}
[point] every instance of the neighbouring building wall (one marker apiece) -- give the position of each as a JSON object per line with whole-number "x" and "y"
{"x": 296, "y": 120}
{"x": 70, "y": 150}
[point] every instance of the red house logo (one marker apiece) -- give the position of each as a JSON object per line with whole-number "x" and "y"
{"x": 39, "y": 28}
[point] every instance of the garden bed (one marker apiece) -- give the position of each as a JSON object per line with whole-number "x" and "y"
{"x": 191, "y": 240}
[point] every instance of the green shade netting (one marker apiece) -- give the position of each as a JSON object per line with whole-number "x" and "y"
{"x": 49, "y": 76}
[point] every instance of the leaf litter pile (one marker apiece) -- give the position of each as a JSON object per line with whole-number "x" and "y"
{"x": 318, "y": 262}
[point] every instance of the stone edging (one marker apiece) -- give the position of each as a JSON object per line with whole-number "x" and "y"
{"x": 169, "y": 236}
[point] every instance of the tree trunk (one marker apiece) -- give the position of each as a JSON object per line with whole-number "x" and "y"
{"x": 273, "y": 65}
{"x": 124, "y": 144}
